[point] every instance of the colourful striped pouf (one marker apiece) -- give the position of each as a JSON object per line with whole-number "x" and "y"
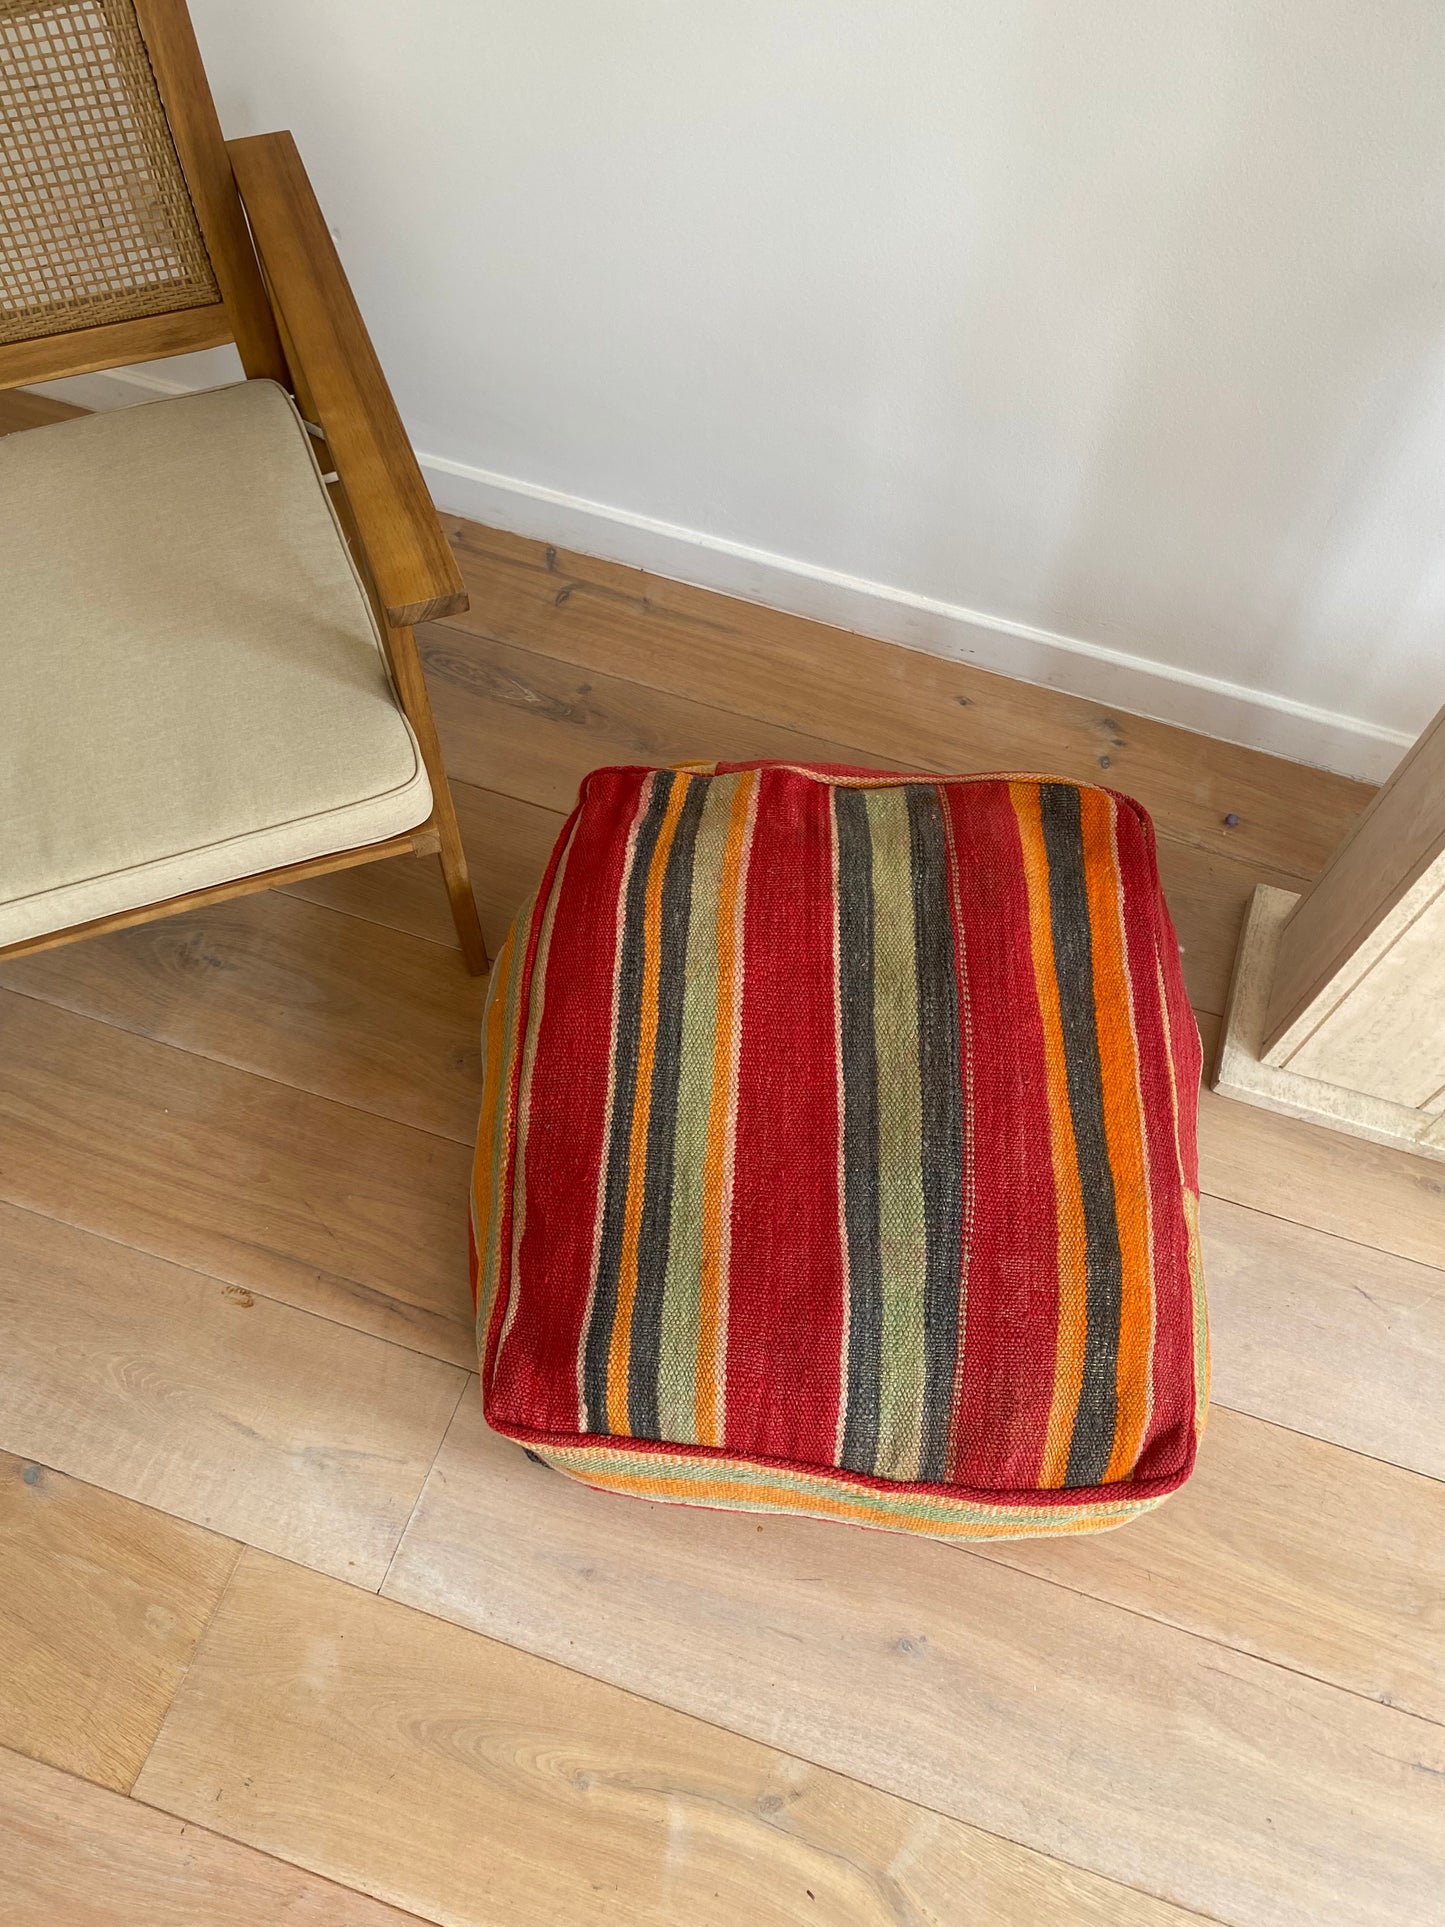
{"x": 838, "y": 1156}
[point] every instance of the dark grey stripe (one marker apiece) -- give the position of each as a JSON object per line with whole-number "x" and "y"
{"x": 652, "y": 1244}
{"x": 860, "y": 1130}
{"x": 941, "y": 1088}
{"x": 1093, "y": 1439}
{"x": 624, "y": 1091}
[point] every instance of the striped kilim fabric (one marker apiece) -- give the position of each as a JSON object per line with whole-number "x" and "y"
{"x": 838, "y": 1153}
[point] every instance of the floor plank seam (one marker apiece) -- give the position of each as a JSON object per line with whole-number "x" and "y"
{"x": 1319, "y": 1438}
{"x": 1304, "y": 1224}
{"x": 469, "y": 1380}
{"x": 229, "y": 1284}
{"x": 867, "y": 757}
{"x": 380, "y": 1588}
{"x": 239, "y": 1548}
{"x": 712, "y": 1725}
{"x": 466, "y": 1139}
{"x": 1206, "y": 1639}
{"x": 300, "y": 893}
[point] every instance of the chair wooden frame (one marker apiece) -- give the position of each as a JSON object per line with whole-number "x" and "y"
{"x": 286, "y": 303}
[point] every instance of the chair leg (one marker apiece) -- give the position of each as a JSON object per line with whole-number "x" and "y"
{"x": 411, "y": 685}
{"x": 459, "y": 885}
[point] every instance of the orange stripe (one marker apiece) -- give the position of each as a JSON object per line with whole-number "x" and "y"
{"x": 1022, "y": 1522}
{"x": 1073, "y": 1308}
{"x": 1123, "y": 1128}
{"x": 620, "y": 1348}
{"x": 721, "y": 1119}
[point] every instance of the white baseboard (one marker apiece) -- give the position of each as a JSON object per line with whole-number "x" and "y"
{"x": 114, "y": 388}
{"x": 1206, "y": 704}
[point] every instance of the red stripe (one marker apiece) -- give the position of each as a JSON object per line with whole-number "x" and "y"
{"x": 786, "y": 1287}
{"x": 564, "y": 1149}
{"x": 1012, "y": 1302}
{"x": 1169, "y": 1441}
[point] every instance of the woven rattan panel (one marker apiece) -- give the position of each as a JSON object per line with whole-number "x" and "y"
{"x": 96, "y": 224}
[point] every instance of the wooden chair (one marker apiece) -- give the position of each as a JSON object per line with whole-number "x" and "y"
{"x": 211, "y": 682}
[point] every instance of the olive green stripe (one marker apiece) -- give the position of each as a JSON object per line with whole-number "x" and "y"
{"x": 902, "y": 1235}
{"x": 682, "y": 1283}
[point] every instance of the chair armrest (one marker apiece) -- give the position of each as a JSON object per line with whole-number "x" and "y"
{"x": 416, "y": 575}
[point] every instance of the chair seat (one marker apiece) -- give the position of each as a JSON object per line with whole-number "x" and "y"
{"x": 195, "y": 690}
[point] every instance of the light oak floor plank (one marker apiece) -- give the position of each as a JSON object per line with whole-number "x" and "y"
{"x": 1329, "y": 1337}
{"x": 475, "y": 1784}
{"x": 1280, "y": 1546}
{"x": 102, "y": 1603}
{"x": 904, "y": 704}
{"x": 1368, "y": 1193}
{"x": 533, "y": 726}
{"x": 77, "y": 1856}
{"x": 256, "y": 1183}
{"x": 307, "y": 1718}
{"x": 234, "y": 1412}
{"x": 508, "y": 842}
{"x": 331, "y": 1004}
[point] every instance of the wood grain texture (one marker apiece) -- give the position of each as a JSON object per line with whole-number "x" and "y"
{"x": 81, "y": 351}
{"x": 376, "y": 1748}
{"x": 77, "y": 1856}
{"x": 534, "y": 726}
{"x": 507, "y": 842}
{"x": 19, "y": 410}
{"x": 1328, "y": 1337}
{"x": 327, "y": 1003}
{"x": 231, "y": 1411}
{"x": 406, "y": 552}
{"x": 1280, "y": 1545}
{"x": 257, "y": 1184}
{"x": 909, "y": 707}
{"x": 475, "y": 1784}
{"x": 1363, "y": 1192}
{"x": 1345, "y": 1582}
{"x": 102, "y": 1603}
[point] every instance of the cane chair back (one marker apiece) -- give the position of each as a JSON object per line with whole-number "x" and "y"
{"x": 96, "y": 221}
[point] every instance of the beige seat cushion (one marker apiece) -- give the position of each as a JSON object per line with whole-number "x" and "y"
{"x": 191, "y": 684}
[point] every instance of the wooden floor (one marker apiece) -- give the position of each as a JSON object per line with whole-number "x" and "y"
{"x": 285, "y": 1634}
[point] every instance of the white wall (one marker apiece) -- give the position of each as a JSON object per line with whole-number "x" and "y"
{"x": 1116, "y": 321}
